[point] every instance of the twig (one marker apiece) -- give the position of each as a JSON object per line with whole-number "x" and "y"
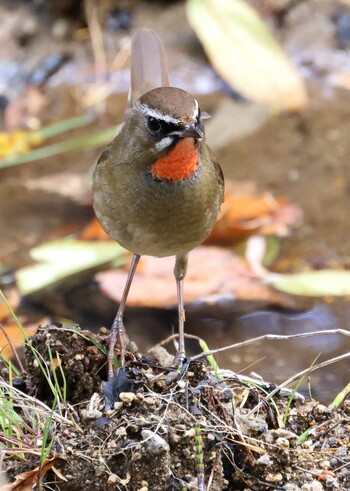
{"x": 299, "y": 375}
{"x": 344, "y": 332}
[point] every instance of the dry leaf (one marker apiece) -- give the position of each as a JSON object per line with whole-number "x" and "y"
{"x": 27, "y": 480}
{"x": 214, "y": 274}
{"x": 245, "y": 54}
{"x": 243, "y": 215}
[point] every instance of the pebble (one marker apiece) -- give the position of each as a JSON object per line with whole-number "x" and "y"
{"x": 291, "y": 487}
{"x": 91, "y": 413}
{"x": 282, "y": 442}
{"x": 113, "y": 479}
{"x": 324, "y": 464}
{"x": 312, "y": 486}
{"x": 164, "y": 358}
{"x": 264, "y": 460}
{"x": 154, "y": 444}
{"x": 282, "y": 433}
{"x": 274, "y": 477}
{"x": 127, "y": 397}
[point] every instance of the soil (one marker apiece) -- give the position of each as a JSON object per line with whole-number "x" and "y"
{"x": 153, "y": 428}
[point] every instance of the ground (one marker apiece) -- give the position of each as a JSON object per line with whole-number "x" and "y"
{"x": 153, "y": 428}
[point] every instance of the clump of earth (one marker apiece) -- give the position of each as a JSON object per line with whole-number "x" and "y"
{"x": 155, "y": 428}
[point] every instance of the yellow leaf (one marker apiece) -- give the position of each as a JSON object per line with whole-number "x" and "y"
{"x": 245, "y": 54}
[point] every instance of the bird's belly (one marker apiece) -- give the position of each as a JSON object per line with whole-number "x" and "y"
{"x": 163, "y": 229}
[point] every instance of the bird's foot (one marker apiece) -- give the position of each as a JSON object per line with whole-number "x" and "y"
{"x": 116, "y": 337}
{"x": 179, "y": 358}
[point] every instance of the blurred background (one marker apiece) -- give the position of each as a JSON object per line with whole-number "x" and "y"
{"x": 275, "y": 77}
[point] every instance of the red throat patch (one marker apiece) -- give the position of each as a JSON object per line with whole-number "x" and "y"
{"x": 180, "y": 163}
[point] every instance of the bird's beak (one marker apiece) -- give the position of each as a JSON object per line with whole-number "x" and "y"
{"x": 192, "y": 131}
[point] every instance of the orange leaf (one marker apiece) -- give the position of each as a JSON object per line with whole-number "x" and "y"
{"x": 249, "y": 214}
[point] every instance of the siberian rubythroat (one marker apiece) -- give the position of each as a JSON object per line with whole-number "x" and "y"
{"x": 157, "y": 188}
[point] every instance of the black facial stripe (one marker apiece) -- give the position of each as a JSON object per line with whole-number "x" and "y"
{"x": 164, "y": 127}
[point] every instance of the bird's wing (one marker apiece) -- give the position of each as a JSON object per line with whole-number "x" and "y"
{"x": 149, "y": 68}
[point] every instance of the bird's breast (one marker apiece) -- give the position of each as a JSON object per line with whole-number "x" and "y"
{"x": 178, "y": 164}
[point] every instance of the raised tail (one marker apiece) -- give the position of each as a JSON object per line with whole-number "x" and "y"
{"x": 149, "y": 68}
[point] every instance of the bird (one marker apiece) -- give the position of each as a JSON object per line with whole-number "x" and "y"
{"x": 157, "y": 187}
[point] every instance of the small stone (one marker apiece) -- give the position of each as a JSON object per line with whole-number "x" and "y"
{"x": 282, "y": 442}
{"x": 127, "y": 397}
{"x": 113, "y": 479}
{"x": 164, "y": 358}
{"x": 282, "y": 433}
{"x": 91, "y": 414}
{"x": 274, "y": 477}
{"x": 190, "y": 433}
{"x": 332, "y": 482}
{"x": 264, "y": 460}
{"x": 118, "y": 405}
{"x": 153, "y": 443}
{"x": 79, "y": 356}
{"x": 312, "y": 486}
{"x": 324, "y": 464}
{"x": 181, "y": 384}
{"x": 341, "y": 452}
{"x": 291, "y": 487}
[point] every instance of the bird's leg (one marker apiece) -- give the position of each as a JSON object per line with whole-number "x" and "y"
{"x": 117, "y": 330}
{"x": 180, "y": 273}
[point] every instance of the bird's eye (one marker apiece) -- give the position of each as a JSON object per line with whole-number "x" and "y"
{"x": 153, "y": 124}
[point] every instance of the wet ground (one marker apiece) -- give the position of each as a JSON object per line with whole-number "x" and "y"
{"x": 303, "y": 157}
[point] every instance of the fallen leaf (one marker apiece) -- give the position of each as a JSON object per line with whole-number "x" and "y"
{"x": 214, "y": 275}
{"x": 59, "y": 259}
{"x": 244, "y": 215}
{"x": 245, "y": 53}
{"x": 27, "y": 481}
{"x": 312, "y": 283}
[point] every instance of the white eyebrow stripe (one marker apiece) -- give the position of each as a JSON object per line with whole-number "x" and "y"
{"x": 153, "y": 113}
{"x": 196, "y": 110}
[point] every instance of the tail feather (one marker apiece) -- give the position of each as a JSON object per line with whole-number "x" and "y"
{"x": 149, "y": 68}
